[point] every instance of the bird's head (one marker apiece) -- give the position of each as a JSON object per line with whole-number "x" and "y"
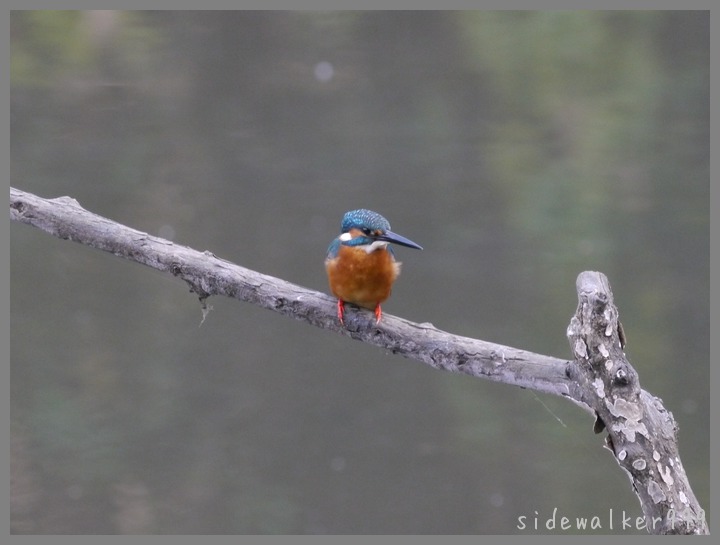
{"x": 370, "y": 231}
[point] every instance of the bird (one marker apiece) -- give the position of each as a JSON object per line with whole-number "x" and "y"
{"x": 360, "y": 263}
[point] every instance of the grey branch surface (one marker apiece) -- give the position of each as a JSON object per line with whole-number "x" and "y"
{"x": 641, "y": 434}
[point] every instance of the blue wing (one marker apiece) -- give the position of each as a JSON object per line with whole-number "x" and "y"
{"x": 333, "y": 249}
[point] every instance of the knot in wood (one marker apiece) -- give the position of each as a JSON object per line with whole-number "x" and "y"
{"x": 599, "y": 300}
{"x": 18, "y": 206}
{"x": 620, "y": 378}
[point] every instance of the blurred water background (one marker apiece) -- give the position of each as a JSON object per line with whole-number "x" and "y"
{"x": 519, "y": 148}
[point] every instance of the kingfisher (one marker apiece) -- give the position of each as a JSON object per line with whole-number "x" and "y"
{"x": 360, "y": 263}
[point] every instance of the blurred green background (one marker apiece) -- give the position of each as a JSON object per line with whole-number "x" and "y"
{"x": 519, "y": 148}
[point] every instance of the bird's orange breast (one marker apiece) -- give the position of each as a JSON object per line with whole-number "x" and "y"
{"x": 362, "y": 278}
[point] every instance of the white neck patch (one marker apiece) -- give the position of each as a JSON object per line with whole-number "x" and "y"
{"x": 377, "y": 245}
{"x": 369, "y": 248}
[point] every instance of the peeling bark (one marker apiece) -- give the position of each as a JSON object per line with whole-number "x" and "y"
{"x": 641, "y": 433}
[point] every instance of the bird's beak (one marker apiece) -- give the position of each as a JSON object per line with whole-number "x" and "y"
{"x": 389, "y": 236}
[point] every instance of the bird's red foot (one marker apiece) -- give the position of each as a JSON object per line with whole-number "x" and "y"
{"x": 341, "y": 310}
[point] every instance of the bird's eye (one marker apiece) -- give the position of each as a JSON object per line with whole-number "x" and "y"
{"x": 366, "y": 231}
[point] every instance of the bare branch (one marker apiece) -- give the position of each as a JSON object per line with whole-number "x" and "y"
{"x": 641, "y": 433}
{"x": 209, "y": 275}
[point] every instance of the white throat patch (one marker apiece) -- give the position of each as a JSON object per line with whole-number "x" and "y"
{"x": 369, "y": 248}
{"x": 377, "y": 245}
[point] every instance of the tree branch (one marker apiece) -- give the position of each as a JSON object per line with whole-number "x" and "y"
{"x": 641, "y": 433}
{"x": 209, "y": 275}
